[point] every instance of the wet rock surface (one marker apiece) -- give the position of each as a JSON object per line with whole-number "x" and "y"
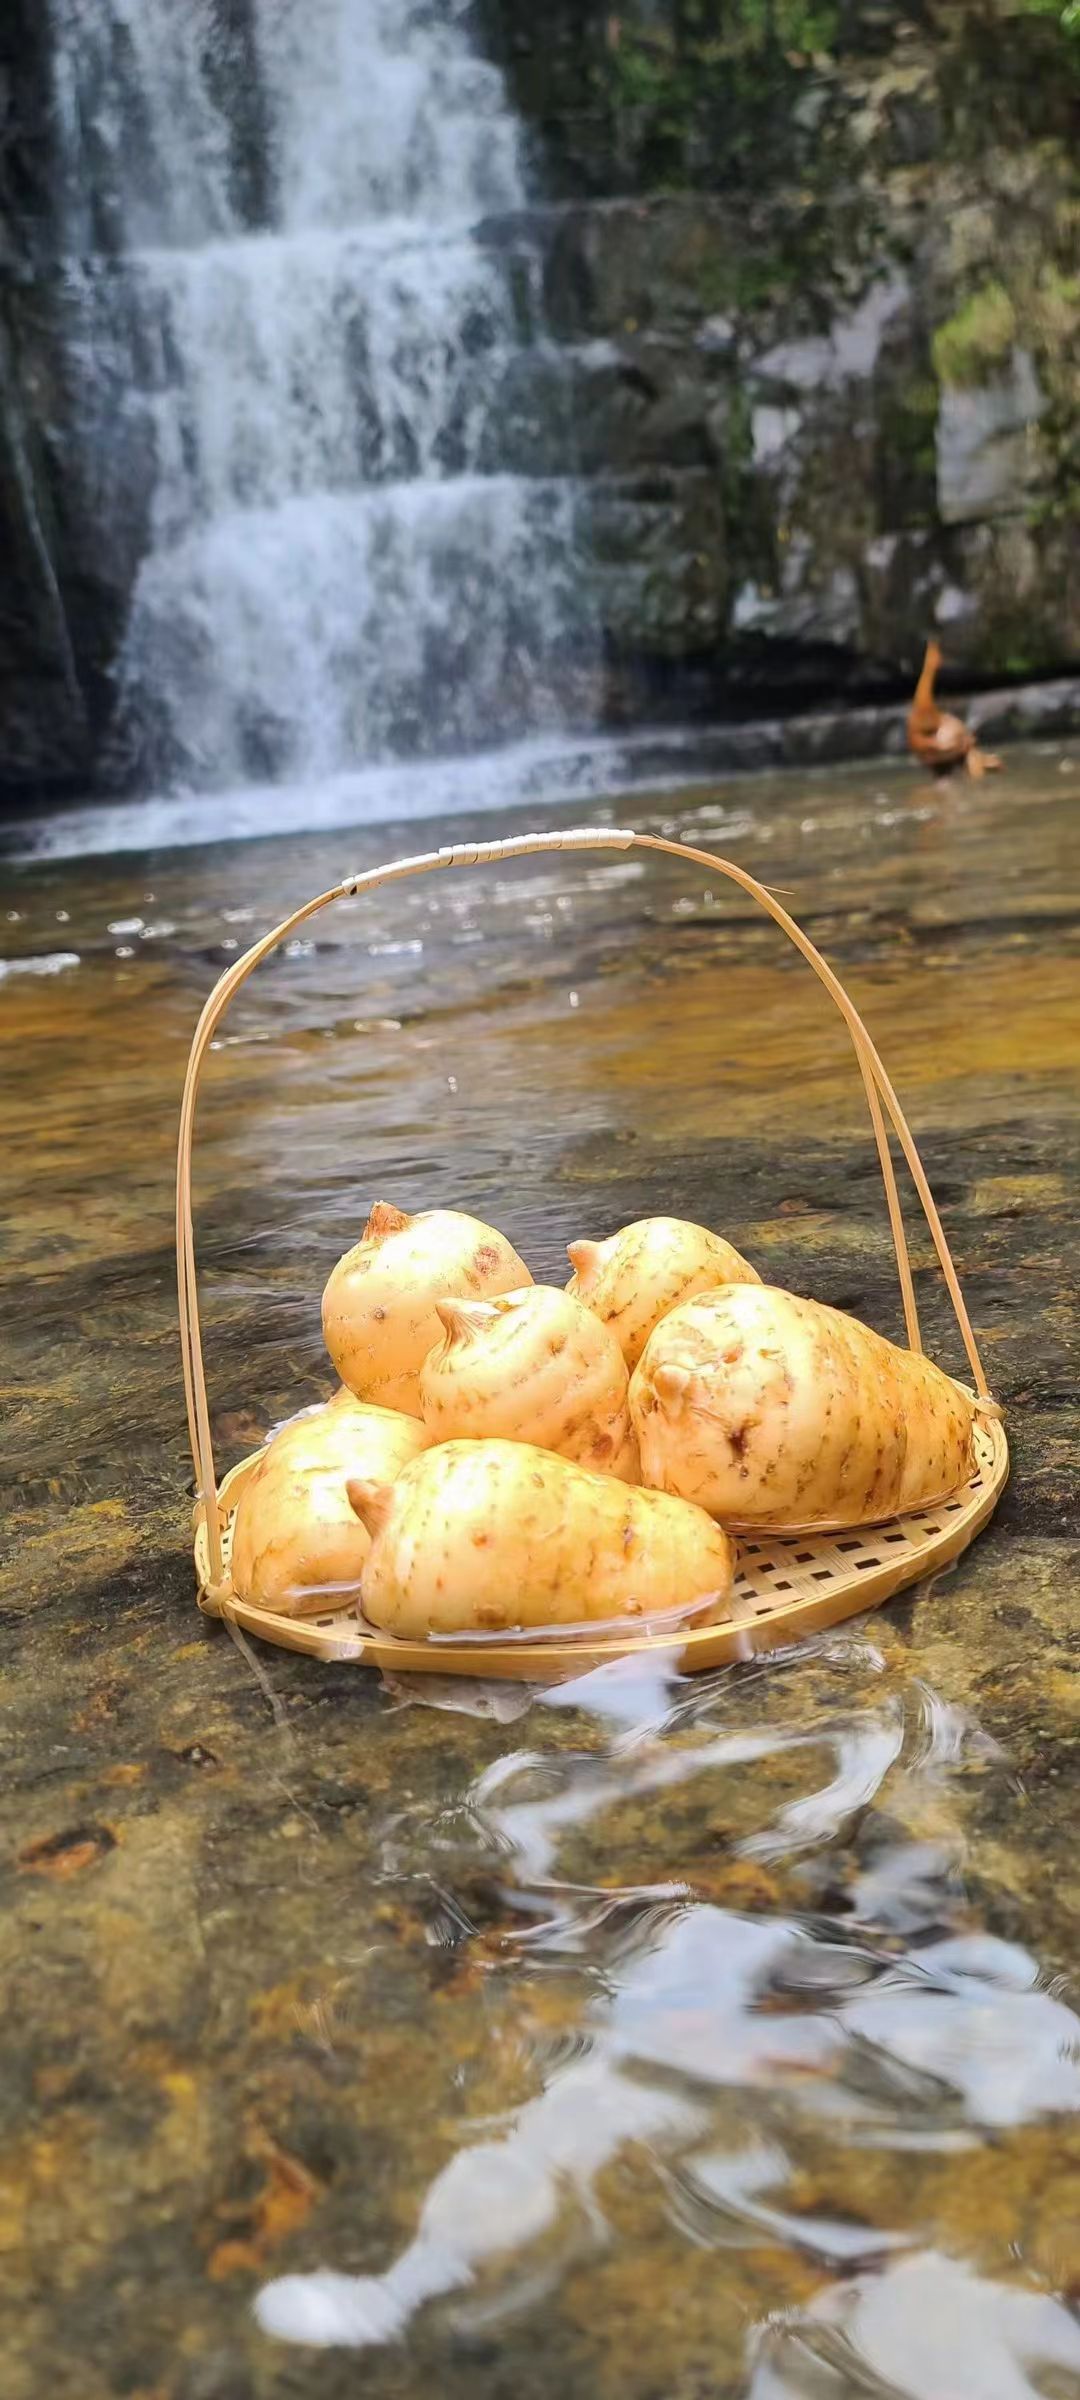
{"x": 635, "y": 2036}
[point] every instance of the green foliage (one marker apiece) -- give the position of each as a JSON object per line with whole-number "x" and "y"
{"x": 1035, "y": 306}
{"x": 712, "y": 77}
{"x": 1043, "y": 313}
{"x": 800, "y": 25}
{"x": 974, "y": 344}
{"x": 1055, "y": 305}
{"x": 1067, "y": 12}
{"x": 907, "y": 419}
{"x": 1051, "y": 320}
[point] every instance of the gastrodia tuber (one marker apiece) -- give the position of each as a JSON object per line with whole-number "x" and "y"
{"x": 378, "y": 1310}
{"x": 776, "y": 1412}
{"x": 637, "y": 1276}
{"x": 493, "y": 1536}
{"x": 533, "y": 1366}
{"x": 297, "y": 1546}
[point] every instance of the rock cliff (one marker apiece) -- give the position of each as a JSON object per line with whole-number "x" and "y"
{"x": 821, "y": 266}
{"x": 798, "y": 301}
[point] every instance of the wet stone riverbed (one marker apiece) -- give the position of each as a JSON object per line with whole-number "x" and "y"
{"x": 711, "y": 2040}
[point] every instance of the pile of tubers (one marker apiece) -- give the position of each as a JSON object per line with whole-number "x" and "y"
{"x": 503, "y": 1456}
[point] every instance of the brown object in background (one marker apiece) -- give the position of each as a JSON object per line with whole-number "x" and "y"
{"x": 938, "y": 740}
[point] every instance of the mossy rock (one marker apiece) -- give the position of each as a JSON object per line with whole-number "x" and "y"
{"x": 976, "y": 343}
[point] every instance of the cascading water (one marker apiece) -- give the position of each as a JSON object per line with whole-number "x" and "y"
{"x": 340, "y": 571}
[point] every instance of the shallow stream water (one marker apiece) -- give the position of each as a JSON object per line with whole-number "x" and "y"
{"x": 675, "y": 2040}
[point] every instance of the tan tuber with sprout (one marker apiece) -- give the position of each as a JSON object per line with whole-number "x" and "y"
{"x": 533, "y": 1366}
{"x": 637, "y": 1276}
{"x": 494, "y": 1536}
{"x": 775, "y": 1412}
{"x": 298, "y": 1547}
{"x": 379, "y": 1306}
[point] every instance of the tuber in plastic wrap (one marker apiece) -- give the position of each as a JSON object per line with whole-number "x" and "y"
{"x": 776, "y": 1412}
{"x": 496, "y": 1537}
{"x": 637, "y": 1276}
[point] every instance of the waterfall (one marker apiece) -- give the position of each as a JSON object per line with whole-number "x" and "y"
{"x": 341, "y": 568}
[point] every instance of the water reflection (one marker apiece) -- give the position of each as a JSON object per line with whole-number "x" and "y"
{"x": 728, "y": 2197}
{"x": 495, "y": 2198}
{"x": 925, "y": 2330}
{"x": 739, "y": 2071}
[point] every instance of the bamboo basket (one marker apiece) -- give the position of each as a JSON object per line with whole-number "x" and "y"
{"x": 786, "y": 1586}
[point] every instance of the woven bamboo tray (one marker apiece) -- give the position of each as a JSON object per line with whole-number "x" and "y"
{"x": 787, "y": 1585}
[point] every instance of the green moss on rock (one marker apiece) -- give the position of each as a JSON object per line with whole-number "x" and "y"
{"x": 974, "y": 344}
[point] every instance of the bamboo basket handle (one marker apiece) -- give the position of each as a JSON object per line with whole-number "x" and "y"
{"x": 881, "y": 1100}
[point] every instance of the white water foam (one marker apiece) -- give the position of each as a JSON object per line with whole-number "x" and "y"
{"x": 539, "y": 775}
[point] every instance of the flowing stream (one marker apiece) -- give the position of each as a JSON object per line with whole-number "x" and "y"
{"x": 633, "y": 2038}
{"x": 280, "y": 201}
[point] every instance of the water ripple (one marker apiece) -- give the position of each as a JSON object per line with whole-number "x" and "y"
{"x": 742, "y": 2068}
